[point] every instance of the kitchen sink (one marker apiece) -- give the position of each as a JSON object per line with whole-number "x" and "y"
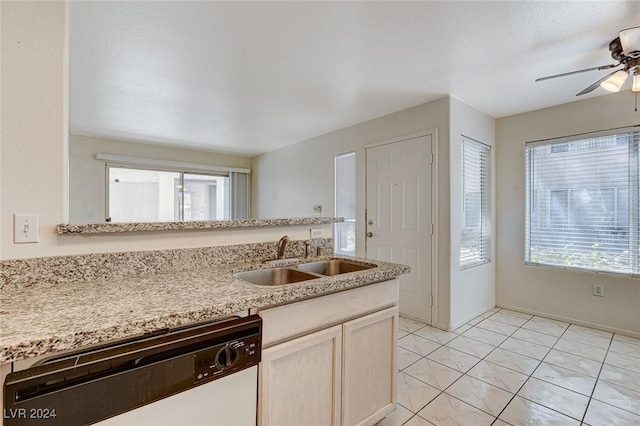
{"x": 334, "y": 267}
{"x": 275, "y": 276}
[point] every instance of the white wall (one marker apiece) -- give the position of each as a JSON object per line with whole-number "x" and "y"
{"x": 472, "y": 290}
{"x": 563, "y": 294}
{"x": 301, "y": 175}
{"x": 33, "y": 116}
{"x": 86, "y": 174}
{"x": 33, "y": 156}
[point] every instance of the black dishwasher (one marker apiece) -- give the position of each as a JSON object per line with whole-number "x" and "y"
{"x": 91, "y": 385}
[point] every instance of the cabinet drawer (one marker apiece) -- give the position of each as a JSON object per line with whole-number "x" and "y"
{"x": 287, "y": 321}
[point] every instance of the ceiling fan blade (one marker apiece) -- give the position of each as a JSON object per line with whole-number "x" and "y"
{"x": 604, "y": 67}
{"x": 595, "y": 85}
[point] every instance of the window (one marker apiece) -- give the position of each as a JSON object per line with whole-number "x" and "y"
{"x": 147, "y": 194}
{"x": 345, "y": 203}
{"x": 582, "y": 203}
{"x": 475, "y": 241}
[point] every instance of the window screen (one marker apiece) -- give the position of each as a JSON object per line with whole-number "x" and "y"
{"x": 475, "y": 242}
{"x": 582, "y": 203}
{"x": 345, "y": 203}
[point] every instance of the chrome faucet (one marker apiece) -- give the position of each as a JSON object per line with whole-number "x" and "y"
{"x": 282, "y": 246}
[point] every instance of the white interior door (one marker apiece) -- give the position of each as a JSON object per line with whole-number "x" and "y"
{"x": 399, "y": 201}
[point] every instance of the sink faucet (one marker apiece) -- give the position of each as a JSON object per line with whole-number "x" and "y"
{"x": 282, "y": 246}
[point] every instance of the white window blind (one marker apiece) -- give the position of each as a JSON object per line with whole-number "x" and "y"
{"x": 345, "y": 203}
{"x": 475, "y": 242}
{"x": 582, "y": 203}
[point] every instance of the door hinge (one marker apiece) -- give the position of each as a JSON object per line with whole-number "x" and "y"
{"x": 431, "y": 158}
{"x": 431, "y": 300}
{"x": 432, "y": 229}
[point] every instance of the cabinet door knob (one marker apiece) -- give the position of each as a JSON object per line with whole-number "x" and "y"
{"x": 369, "y": 234}
{"x": 370, "y": 222}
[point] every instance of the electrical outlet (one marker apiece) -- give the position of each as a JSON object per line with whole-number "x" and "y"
{"x": 316, "y": 233}
{"x": 598, "y": 290}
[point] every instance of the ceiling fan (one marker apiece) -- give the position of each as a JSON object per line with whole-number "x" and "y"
{"x": 626, "y": 50}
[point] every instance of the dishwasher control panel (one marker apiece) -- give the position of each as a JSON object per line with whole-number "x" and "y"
{"x": 224, "y": 359}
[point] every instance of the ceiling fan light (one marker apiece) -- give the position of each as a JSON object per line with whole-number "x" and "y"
{"x": 615, "y": 82}
{"x": 636, "y": 83}
{"x": 630, "y": 40}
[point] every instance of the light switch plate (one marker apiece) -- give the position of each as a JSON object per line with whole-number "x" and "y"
{"x": 25, "y": 229}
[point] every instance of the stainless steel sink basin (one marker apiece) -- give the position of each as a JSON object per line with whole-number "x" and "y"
{"x": 274, "y": 276}
{"x": 333, "y": 267}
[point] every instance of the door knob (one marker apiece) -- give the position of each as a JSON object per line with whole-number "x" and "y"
{"x": 369, "y": 234}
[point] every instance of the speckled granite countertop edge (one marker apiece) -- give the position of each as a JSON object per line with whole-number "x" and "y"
{"x": 146, "y": 310}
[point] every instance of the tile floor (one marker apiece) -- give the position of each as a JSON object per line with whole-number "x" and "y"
{"x": 509, "y": 368}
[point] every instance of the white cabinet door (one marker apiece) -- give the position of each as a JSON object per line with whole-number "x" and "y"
{"x": 300, "y": 381}
{"x": 369, "y": 363}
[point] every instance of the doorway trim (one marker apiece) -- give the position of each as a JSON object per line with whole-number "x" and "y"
{"x": 433, "y": 132}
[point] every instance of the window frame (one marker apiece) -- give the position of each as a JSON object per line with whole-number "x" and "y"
{"x": 347, "y": 220}
{"x": 485, "y": 222}
{"x": 168, "y": 169}
{"x": 530, "y": 193}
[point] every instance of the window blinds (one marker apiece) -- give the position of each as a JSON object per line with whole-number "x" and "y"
{"x": 582, "y": 203}
{"x": 475, "y": 242}
{"x": 345, "y": 203}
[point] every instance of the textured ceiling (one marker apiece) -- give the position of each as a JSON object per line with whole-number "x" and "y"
{"x": 251, "y": 77}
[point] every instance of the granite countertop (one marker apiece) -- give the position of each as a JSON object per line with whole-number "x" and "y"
{"x": 45, "y": 318}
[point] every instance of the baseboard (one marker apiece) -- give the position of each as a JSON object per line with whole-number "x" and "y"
{"x": 451, "y": 327}
{"x": 571, "y": 320}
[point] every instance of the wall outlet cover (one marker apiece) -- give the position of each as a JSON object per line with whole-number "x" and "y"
{"x": 598, "y": 290}
{"x": 316, "y": 233}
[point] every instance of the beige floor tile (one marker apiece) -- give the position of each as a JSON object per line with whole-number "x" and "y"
{"x": 417, "y": 421}
{"x": 587, "y": 338}
{"x": 497, "y": 327}
{"x": 433, "y": 373}
{"x": 453, "y": 359}
{"x": 446, "y": 410}
{"x": 508, "y": 319}
{"x": 623, "y": 398}
{"x": 621, "y": 377}
{"x": 485, "y": 336}
{"x": 551, "y": 396}
{"x": 625, "y": 348}
{"x": 581, "y": 349}
{"x": 505, "y": 379}
{"x": 573, "y": 362}
{"x": 535, "y": 337}
{"x": 418, "y": 345}
{"x": 565, "y": 378}
{"x": 525, "y": 348}
{"x": 406, "y": 358}
{"x": 484, "y": 396}
{"x": 521, "y": 412}
{"x": 397, "y": 417}
{"x": 436, "y": 335}
{"x": 409, "y": 325}
{"x": 623, "y": 361}
{"x": 601, "y": 414}
{"x": 470, "y": 346}
{"x": 520, "y": 363}
{"x": 414, "y": 394}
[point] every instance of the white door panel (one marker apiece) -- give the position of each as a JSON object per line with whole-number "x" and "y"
{"x": 399, "y": 209}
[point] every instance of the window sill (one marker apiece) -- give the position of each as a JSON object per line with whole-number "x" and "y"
{"x": 583, "y": 270}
